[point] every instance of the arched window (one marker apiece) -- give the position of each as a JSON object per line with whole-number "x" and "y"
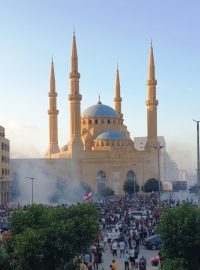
{"x": 101, "y": 181}
{"x": 96, "y": 121}
{"x": 108, "y": 121}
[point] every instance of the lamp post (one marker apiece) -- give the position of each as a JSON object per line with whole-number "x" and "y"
{"x": 143, "y": 167}
{"x": 159, "y": 188}
{"x": 31, "y": 178}
{"x": 143, "y": 184}
{"x": 134, "y": 180}
{"x": 198, "y": 165}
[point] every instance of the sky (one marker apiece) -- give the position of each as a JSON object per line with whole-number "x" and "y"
{"x": 107, "y": 33}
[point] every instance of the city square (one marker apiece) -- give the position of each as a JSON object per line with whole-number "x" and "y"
{"x": 99, "y": 135}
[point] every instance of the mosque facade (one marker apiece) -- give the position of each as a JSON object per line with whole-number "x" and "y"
{"x": 100, "y": 151}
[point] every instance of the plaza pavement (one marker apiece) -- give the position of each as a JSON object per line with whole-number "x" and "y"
{"x": 107, "y": 258}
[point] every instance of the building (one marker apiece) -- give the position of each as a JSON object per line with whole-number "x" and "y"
{"x": 183, "y": 175}
{"x": 172, "y": 171}
{"x": 179, "y": 185}
{"x": 100, "y": 149}
{"x": 4, "y": 168}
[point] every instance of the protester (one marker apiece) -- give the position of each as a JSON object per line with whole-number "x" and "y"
{"x": 87, "y": 258}
{"x": 121, "y": 248}
{"x": 126, "y": 260}
{"x": 114, "y": 265}
{"x": 132, "y": 258}
{"x": 142, "y": 263}
{"x": 114, "y": 248}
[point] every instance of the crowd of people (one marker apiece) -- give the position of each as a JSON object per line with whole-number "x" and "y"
{"x": 122, "y": 234}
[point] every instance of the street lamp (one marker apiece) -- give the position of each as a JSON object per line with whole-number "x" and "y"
{"x": 143, "y": 166}
{"x": 159, "y": 188}
{"x": 198, "y": 165}
{"x": 143, "y": 184}
{"x": 134, "y": 181}
{"x": 31, "y": 178}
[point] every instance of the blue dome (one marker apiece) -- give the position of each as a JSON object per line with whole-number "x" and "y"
{"x": 109, "y": 134}
{"x": 100, "y": 110}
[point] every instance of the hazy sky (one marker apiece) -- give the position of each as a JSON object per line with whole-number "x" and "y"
{"x": 107, "y": 32}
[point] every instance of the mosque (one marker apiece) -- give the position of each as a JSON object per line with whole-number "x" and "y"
{"x": 100, "y": 151}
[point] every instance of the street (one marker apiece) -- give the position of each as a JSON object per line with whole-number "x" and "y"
{"x": 107, "y": 258}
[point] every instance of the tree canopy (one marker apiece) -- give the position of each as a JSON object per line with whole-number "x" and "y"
{"x": 151, "y": 185}
{"x": 175, "y": 264}
{"x": 179, "y": 229}
{"x": 130, "y": 186}
{"x": 49, "y": 238}
{"x": 107, "y": 192}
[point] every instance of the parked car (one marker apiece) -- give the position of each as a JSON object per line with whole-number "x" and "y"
{"x": 137, "y": 214}
{"x": 152, "y": 242}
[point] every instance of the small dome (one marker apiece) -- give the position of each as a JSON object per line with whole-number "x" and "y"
{"x": 109, "y": 134}
{"x": 100, "y": 110}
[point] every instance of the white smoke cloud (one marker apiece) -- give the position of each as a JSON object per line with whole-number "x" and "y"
{"x": 52, "y": 179}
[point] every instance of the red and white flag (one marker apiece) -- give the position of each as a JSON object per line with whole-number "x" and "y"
{"x": 87, "y": 196}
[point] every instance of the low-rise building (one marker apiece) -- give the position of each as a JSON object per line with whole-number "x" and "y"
{"x": 4, "y": 168}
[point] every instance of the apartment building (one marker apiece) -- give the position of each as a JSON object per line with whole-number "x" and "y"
{"x": 4, "y": 168}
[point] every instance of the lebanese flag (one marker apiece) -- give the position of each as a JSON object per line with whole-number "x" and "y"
{"x": 87, "y": 196}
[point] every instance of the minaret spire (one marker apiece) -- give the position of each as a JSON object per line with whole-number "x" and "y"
{"x": 74, "y": 58}
{"x": 151, "y": 103}
{"x": 52, "y": 77}
{"x": 75, "y": 143}
{"x": 53, "y": 115}
{"x": 151, "y": 75}
{"x": 117, "y": 99}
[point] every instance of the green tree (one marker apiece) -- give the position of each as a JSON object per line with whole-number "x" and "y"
{"x": 179, "y": 229}
{"x": 130, "y": 186}
{"x": 49, "y": 238}
{"x": 151, "y": 185}
{"x": 172, "y": 264}
{"x": 107, "y": 192}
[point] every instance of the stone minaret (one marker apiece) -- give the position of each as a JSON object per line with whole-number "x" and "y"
{"x": 53, "y": 114}
{"x": 151, "y": 104}
{"x": 75, "y": 143}
{"x": 117, "y": 98}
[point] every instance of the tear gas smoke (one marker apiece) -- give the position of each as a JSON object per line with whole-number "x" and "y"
{"x": 51, "y": 185}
